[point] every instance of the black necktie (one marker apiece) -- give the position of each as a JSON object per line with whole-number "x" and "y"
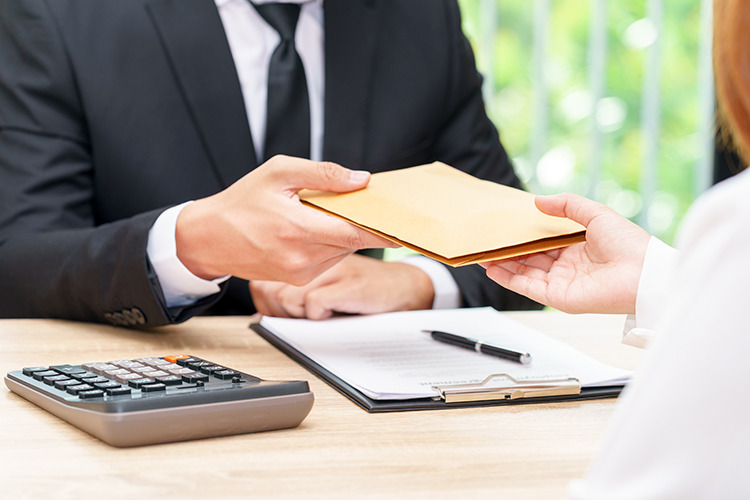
{"x": 288, "y": 105}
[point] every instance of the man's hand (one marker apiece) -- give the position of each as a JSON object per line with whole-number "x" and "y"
{"x": 598, "y": 276}
{"x": 357, "y": 284}
{"x": 257, "y": 228}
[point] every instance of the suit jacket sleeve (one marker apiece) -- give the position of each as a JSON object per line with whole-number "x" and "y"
{"x": 468, "y": 140}
{"x": 55, "y": 260}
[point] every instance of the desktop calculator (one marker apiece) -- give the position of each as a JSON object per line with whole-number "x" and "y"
{"x": 162, "y": 399}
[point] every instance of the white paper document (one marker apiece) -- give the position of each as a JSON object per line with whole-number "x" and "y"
{"x": 389, "y": 357}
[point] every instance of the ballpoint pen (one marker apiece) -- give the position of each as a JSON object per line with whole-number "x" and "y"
{"x": 476, "y": 345}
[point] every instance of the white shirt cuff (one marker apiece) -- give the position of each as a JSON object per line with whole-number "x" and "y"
{"x": 447, "y": 294}
{"x": 658, "y": 265}
{"x": 179, "y": 285}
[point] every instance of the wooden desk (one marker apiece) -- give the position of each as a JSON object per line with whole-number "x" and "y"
{"x": 339, "y": 451}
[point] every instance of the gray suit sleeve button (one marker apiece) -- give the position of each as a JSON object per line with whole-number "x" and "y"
{"x": 129, "y": 318}
{"x": 110, "y": 319}
{"x": 120, "y": 319}
{"x": 138, "y": 315}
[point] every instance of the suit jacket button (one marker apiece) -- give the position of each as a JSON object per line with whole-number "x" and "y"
{"x": 138, "y": 315}
{"x": 110, "y": 319}
{"x": 119, "y": 319}
{"x": 129, "y": 319}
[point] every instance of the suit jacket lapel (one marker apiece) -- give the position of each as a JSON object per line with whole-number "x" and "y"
{"x": 350, "y": 42}
{"x": 196, "y": 46}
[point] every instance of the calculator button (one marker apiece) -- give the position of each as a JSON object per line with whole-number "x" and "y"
{"x": 55, "y": 378}
{"x": 151, "y": 361}
{"x": 124, "y": 363}
{"x": 114, "y": 373}
{"x": 196, "y": 365}
{"x": 182, "y": 371}
{"x": 123, "y": 379}
{"x": 91, "y": 366}
{"x": 83, "y": 375}
{"x": 185, "y": 361}
{"x": 62, "y": 385}
{"x": 67, "y": 369}
{"x": 157, "y": 373}
{"x": 143, "y": 369}
{"x": 137, "y": 383}
{"x": 118, "y": 391}
{"x": 100, "y": 369}
{"x": 41, "y": 375}
{"x": 107, "y": 385}
{"x": 31, "y": 370}
{"x": 94, "y": 393}
{"x": 153, "y": 387}
{"x": 75, "y": 389}
{"x": 191, "y": 379}
{"x": 95, "y": 380}
{"x": 173, "y": 359}
{"x": 170, "y": 380}
{"x": 208, "y": 370}
{"x": 226, "y": 374}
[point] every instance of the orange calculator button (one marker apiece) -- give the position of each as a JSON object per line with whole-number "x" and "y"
{"x": 173, "y": 359}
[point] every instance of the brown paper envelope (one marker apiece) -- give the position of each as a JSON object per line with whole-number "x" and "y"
{"x": 449, "y": 215}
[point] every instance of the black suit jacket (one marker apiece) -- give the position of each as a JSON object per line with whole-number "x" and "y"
{"x": 111, "y": 112}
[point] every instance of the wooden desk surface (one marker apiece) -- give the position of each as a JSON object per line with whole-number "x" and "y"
{"x": 339, "y": 451}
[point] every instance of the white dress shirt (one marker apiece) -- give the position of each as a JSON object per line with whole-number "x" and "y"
{"x": 682, "y": 426}
{"x": 252, "y": 42}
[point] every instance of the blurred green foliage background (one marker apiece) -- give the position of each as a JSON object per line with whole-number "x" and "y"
{"x": 569, "y": 124}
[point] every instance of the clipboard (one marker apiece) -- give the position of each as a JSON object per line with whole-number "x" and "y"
{"x": 452, "y": 396}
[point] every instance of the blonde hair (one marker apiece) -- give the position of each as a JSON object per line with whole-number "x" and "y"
{"x": 732, "y": 71}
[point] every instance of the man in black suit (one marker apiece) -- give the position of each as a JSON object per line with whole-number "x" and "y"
{"x": 112, "y": 112}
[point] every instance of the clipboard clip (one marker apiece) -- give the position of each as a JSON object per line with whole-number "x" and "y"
{"x": 512, "y": 389}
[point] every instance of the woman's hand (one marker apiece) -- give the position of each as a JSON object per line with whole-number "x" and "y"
{"x": 599, "y": 275}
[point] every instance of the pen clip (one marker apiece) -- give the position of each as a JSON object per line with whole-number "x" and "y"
{"x": 517, "y": 389}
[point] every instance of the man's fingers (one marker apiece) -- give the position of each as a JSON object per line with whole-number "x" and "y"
{"x": 268, "y": 306}
{"x": 574, "y": 207}
{"x": 292, "y": 300}
{"x": 264, "y": 297}
{"x": 297, "y": 174}
{"x": 370, "y": 240}
{"x": 336, "y": 232}
{"x": 320, "y": 303}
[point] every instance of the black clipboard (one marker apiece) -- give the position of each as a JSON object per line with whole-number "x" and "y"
{"x": 436, "y": 403}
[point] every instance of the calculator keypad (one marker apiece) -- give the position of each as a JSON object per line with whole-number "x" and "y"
{"x": 133, "y": 377}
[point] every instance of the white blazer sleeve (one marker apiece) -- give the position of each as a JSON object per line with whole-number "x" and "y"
{"x": 682, "y": 427}
{"x": 657, "y": 272}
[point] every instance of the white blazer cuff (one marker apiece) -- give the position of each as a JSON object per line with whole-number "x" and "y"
{"x": 658, "y": 267}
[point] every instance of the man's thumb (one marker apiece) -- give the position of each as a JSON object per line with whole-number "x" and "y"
{"x": 325, "y": 176}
